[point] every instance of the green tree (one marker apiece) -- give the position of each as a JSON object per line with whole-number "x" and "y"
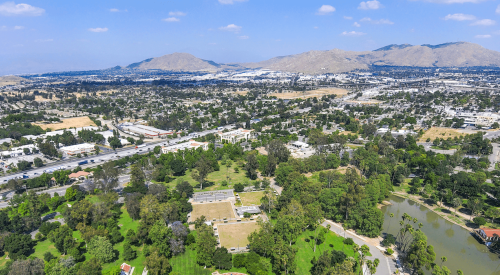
{"x": 18, "y": 245}
{"x": 222, "y": 259}
{"x": 90, "y": 267}
{"x": 203, "y": 168}
{"x": 101, "y": 248}
{"x": 107, "y": 177}
{"x": 160, "y": 235}
{"x": 27, "y": 267}
{"x": 38, "y": 162}
{"x": 205, "y": 245}
{"x": 157, "y": 264}
{"x": 128, "y": 252}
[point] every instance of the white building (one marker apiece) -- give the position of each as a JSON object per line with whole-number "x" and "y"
{"x": 235, "y": 136}
{"x": 192, "y": 144}
{"x": 77, "y": 149}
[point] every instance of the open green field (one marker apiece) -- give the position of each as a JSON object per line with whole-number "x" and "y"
{"x": 251, "y": 198}
{"x": 305, "y": 251}
{"x": 44, "y": 247}
{"x": 214, "y": 179}
{"x": 234, "y": 235}
{"x": 186, "y": 264}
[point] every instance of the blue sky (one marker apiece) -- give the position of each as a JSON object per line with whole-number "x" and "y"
{"x": 41, "y": 36}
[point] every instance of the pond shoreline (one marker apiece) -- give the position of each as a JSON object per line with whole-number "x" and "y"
{"x": 438, "y": 213}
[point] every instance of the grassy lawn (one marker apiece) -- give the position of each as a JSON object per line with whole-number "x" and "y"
{"x": 215, "y": 178}
{"x": 305, "y": 251}
{"x": 186, "y": 264}
{"x": 44, "y": 247}
{"x": 234, "y": 235}
{"x": 251, "y": 198}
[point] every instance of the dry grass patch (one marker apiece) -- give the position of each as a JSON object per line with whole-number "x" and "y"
{"x": 251, "y": 198}
{"x": 234, "y": 235}
{"x": 243, "y": 93}
{"x": 11, "y": 80}
{"x": 314, "y": 93}
{"x": 69, "y": 123}
{"x": 440, "y": 132}
{"x": 213, "y": 211}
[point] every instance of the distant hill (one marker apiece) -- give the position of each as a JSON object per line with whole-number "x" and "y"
{"x": 458, "y": 54}
{"x": 11, "y": 80}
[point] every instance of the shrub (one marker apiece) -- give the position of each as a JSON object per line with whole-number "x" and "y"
{"x": 239, "y": 260}
{"x": 389, "y": 251}
{"x": 239, "y": 187}
{"x": 480, "y": 221}
{"x": 389, "y": 240}
{"x": 348, "y": 241}
{"x": 48, "y": 256}
{"x": 247, "y": 215}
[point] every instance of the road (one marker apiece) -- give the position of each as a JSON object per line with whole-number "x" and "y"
{"x": 103, "y": 157}
{"x": 427, "y": 147}
{"x": 386, "y": 265}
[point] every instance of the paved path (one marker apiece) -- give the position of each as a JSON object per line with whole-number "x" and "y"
{"x": 384, "y": 268}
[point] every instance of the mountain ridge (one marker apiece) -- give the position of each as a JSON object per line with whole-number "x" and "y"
{"x": 453, "y": 54}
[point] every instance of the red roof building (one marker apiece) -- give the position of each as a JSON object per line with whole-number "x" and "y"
{"x": 125, "y": 268}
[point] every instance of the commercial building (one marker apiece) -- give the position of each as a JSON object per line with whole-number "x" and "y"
{"x": 247, "y": 209}
{"x": 235, "y": 136}
{"x": 74, "y": 150}
{"x": 144, "y": 130}
{"x": 192, "y": 144}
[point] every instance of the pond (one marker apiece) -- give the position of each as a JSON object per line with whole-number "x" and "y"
{"x": 452, "y": 241}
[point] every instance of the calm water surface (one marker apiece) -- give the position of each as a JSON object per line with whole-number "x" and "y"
{"x": 450, "y": 240}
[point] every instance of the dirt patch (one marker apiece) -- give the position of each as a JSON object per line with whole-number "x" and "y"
{"x": 314, "y": 93}
{"x": 213, "y": 211}
{"x": 262, "y": 151}
{"x": 440, "y": 132}
{"x": 234, "y": 235}
{"x": 242, "y": 93}
{"x": 69, "y": 123}
{"x": 11, "y": 80}
{"x": 251, "y": 198}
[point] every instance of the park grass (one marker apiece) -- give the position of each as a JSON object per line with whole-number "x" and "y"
{"x": 251, "y": 198}
{"x": 235, "y": 235}
{"x": 305, "y": 251}
{"x": 186, "y": 264}
{"x": 214, "y": 179}
{"x": 43, "y": 247}
{"x": 127, "y": 223}
{"x": 211, "y": 211}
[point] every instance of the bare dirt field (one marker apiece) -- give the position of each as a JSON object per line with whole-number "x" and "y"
{"x": 242, "y": 93}
{"x": 313, "y": 93}
{"x": 11, "y": 80}
{"x": 440, "y": 132}
{"x": 251, "y": 198}
{"x": 68, "y": 123}
{"x": 234, "y": 235}
{"x": 212, "y": 211}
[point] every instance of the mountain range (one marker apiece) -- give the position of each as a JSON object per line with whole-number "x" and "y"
{"x": 457, "y": 54}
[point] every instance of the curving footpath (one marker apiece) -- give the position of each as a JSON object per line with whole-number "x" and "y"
{"x": 384, "y": 268}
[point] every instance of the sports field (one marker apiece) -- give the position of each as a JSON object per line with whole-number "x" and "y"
{"x": 251, "y": 198}
{"x": 211, "y": 211}
{"x": 232, "y": 235}
{"x": 69, "y": 123}
{"x": 313, "y": 93}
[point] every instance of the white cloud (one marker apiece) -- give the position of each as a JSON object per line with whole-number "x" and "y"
{"x": 171, "y": 19}
{"x": 18, "y": 28}
{"x": 44, "y": 40}
{"x": 353, "y": 33}
{"x": 347, "y": 17}
{"x": 231, "y": 28}
{"x": 356, "y": 24}
{"x": 117, "y": 10}
{"x": 325, "y": 9}
{"x": 496, "y": 32}
{"x": 459, "y": 17}
{"x": 98, "y": 29}
{"x": 10, "y": 8}
{"x": 3, "y": 28}
{"x": 316, "y": 27}
{"x": 243, "y": 37}
{"x": 452, "y": 1}
{"x": 483, "y": 36}
{"x": 498, "y": 9}
{"x": 230, "y": 2}
{"x": 177, "y": 13}
{"x": 484, "y": 22}
{"x": 377, "y": 22}
{"x": 370, "y": 5}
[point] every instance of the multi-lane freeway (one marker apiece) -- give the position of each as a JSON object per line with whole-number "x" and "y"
{"x": 95, "y": 160}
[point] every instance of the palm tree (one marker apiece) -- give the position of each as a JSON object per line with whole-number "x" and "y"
{"x": 457, "y": 202}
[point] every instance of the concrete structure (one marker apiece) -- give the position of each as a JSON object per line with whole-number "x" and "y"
{"x": 488, "y": 235}
{"x": 192, "y": 144}
{"x": 482, "y": 118}
{"x": 300, "y": 144}
{"x": 77, "y": 149}
{"x": 247, "y": 209}
{"x": 144, "y": 130}
{"x": 235, "y": 136}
